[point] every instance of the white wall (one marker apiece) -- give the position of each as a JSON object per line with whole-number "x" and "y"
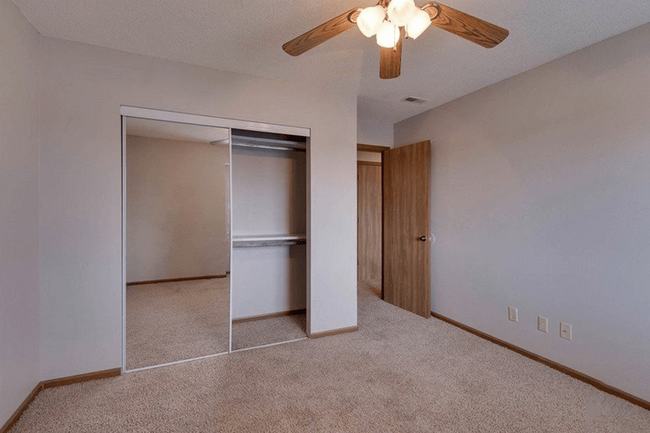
{"x": 376, "y": 133}
{"x": 19, "y": 370}
{"x": 176, "y": 209}
{"x": 82, "y": 90}
{"x": 269, "y": 198}
{"x": 540, "y": 197}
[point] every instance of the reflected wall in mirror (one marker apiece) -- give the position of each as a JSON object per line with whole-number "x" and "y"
{"x": 177, "y": 242}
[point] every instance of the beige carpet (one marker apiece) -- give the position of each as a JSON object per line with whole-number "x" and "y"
{"x": 175, "y": 321}
{"x": 268, "y": 331}
{"x": 399, "y": 373}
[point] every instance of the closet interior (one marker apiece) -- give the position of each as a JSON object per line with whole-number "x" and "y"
{"x": 269, "y": 258}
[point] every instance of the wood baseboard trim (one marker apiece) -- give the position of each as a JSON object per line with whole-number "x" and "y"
{"x": 17, "y": 414}
{"x": 51, "y": 384}
{"x": 176, "y": 280}
{"x": 333, "y": 332}
{"x": 269, "y": 316}
{"x": 552, "y": 364}
{"x": 104, "y": 374}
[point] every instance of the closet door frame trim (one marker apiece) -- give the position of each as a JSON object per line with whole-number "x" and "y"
{"x": 220, "y": 122}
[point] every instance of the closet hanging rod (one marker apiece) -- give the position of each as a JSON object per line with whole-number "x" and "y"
{"x": 268, "y": 241}
{"x": 268, "y": 143}
{"x": 271, "y": 147}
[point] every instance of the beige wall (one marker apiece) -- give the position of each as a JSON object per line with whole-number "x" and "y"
{"x": 373, "y": 132}
{"x": 176, "y": 209}
{"x": 541, "y": 201}
{"x": 19, "y": 306}
{"x": 80, "y": 195}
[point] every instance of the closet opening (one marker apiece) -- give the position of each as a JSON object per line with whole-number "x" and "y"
{"x": 215, "y": 237}
{"x": 269, "y": 238}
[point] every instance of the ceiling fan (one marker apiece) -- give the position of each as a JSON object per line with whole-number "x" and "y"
{"x": 393, "y": 20}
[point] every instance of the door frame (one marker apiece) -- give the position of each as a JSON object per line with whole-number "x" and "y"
{"x": 201, "y": 120}
{"x": 375, "y": 149}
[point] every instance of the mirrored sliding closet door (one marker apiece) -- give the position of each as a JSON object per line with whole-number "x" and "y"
{"x": 177, "y": 241}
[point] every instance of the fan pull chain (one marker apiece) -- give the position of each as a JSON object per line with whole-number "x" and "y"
{"x": 395, "y": 41}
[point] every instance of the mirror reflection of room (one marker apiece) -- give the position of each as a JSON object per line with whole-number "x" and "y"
{"x": 177, "y": 242}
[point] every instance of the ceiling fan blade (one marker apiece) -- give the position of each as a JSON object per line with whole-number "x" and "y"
{"x": 322, "y": 33}
{"x": 466, "y": 26}
{"x": 390, "y": 60}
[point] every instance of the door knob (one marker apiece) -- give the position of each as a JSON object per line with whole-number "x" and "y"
{"x": 423, "y": 238}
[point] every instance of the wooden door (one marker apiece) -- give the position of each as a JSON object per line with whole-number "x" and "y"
{"x": 369, "y": 208}
{"x": 407, "y": 252}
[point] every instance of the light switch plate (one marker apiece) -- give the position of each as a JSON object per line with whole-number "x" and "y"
{"x": 542, "y": 324}
{"x": 566, "y": 331}
{"x": 513, "y": 314}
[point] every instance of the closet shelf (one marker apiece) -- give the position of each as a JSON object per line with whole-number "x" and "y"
{"x": 268, "y": 143}
{"x": 252, "y": 241}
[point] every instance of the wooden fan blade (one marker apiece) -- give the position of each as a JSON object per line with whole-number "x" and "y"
{"x": 322, "y": 33}
{"x": 390, "y": 60}
{"x": 466, "y": 26}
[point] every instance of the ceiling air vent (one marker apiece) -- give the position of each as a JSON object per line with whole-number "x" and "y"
{"x": 414, "y": 100}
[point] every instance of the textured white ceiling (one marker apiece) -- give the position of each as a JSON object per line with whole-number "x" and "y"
{"x": 247, "y": 36}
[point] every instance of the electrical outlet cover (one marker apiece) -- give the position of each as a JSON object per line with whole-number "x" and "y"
{"x": 542, "y": 324}
{"x": 513, "y": 314}
{"x": 566, "y": 331}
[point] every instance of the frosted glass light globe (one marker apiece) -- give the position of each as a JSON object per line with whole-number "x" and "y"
{"x": 370, "y": 19}
{"x": 418, "y": 24}
{"x": 400, "y": 12}
{"x": 388, "y": 35}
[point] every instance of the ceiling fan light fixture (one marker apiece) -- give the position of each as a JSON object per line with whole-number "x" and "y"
{"x": 370, "y": 19}
{"x": 418, "y": 24}
{"x": 388, "y": 35}
{"x": 401, "y": 12}
{"x": 394, "y": 18}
